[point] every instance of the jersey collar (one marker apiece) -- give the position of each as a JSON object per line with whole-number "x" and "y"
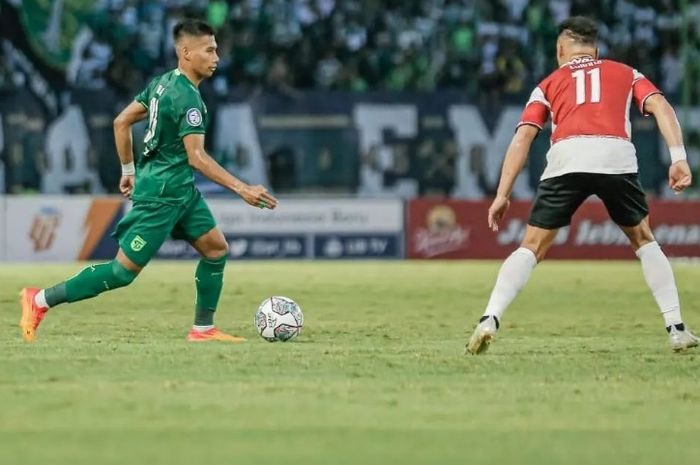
{"x": 181, "y": 74}
{"x": 578, "y": 60}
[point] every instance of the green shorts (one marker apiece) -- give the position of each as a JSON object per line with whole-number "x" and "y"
{"x": 558, "y": 198}
{"x": 144, "y": 229}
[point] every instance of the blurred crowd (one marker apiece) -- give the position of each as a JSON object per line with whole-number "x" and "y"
{"x": 97, "y": 54}
{"x": 488, "y": 47}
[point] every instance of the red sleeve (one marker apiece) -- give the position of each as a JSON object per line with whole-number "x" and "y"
{"x": 536, "y": 110}
{"x": 642, "y": 89}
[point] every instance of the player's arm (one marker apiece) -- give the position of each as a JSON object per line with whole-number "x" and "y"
{"x": 200, "y": 160}
{"x": 133, "y": 113}
{"x": 515, "y": 158}
{"x": 532, "y": 121}
{"x": 516, "y": 155}
{"x": 679, "y": 176}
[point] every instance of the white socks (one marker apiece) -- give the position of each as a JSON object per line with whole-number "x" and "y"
{"x": 40, "y": 299}
{"x": 512, "y": 277}
{"x": 202, "y": 329}
{"x": 659, "y": 276}
{"x": 516, "y": 270}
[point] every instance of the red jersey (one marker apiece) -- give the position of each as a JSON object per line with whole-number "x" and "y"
{"x": 589, "y": 98}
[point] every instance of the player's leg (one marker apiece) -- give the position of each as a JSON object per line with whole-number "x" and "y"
{"x": 556, "y": 201}
{"x": 659, "y": 277}
{"x": 199, "y": 228}
{"x": 626, "y": 203}
{"x": 141, "y": 233}
{"x": 92, "y": 281}
{"x": 512, "y": 277}
{"x": 515, "y": 270}
{"x": 89, "y": 282}
{"x": 209, "y": 276}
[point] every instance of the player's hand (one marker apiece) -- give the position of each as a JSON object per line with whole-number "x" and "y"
{"x": 258, "y": 196}
{"x": 497, "y": 211}
{"x": 126, "y": 186}
{"x": 679, "y": 176}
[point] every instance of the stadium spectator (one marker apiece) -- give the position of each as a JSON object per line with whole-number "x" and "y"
{"x": 398, "y": 45}
{"x": 489, "y": 51}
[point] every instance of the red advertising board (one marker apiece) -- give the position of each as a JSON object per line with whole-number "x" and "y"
{"x": 457, "y": 229}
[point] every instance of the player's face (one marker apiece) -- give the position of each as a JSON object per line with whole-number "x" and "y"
{"x": 202, "y": 55}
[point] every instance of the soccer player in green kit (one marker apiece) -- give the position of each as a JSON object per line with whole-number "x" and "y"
{"x": 165, "y": 199}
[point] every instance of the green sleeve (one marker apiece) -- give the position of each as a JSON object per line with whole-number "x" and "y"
{"x": 190, "y": 115}
{"x": 142, "y": 97}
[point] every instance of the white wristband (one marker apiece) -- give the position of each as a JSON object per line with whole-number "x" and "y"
{"x": 128, "y": 169}
{"x": 677, "y": 153}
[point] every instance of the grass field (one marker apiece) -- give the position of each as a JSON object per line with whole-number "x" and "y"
{"x": 581, "y": 372}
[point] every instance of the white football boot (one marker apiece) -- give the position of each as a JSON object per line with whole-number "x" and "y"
{"x": 680, "y": 338}
{"x": 483, "y": 335}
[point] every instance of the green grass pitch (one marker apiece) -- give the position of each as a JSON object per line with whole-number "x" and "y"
{"x": 580, "y": 373}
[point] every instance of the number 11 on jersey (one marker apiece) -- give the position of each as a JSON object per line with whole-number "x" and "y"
{"x": 580, "y": 76}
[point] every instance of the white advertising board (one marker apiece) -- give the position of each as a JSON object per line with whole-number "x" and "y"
{"x": 66, "y": 228}
{"x": 46, "y": 228}
{"x": 346, "y": 216}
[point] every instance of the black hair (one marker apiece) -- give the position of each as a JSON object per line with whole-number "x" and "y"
{"x": 581, "y": 29}
{"x": 192, "y": 27}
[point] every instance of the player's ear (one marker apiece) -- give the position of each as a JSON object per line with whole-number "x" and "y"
{"x": 180, "y": 50}
{"x": 560, "y": 52}
{"x": 597, "y": 53}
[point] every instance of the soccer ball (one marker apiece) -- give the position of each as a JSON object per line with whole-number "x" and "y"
{"x": 279, "y": 319}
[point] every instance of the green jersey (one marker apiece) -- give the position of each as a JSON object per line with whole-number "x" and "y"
{"x": 175, "y": 109}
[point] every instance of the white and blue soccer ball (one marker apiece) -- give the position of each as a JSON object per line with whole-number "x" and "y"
{"x": 279, "y": 319}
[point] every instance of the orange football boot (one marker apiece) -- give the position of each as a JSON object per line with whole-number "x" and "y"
{"x": 32, "y": 314}
{"x": 212, "y": 334}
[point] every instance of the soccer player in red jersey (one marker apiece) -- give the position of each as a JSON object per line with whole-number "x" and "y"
{"x": 588, "y": 100}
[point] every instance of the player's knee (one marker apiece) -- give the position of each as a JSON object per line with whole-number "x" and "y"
{"x": 122, "y": 276}
{"x": 220, "y": 250}
{"x": 640, "y": 241}
{"x": 639, "y": 235}
{"x": 538, "y": 241}
{"x": 538, "y": 249}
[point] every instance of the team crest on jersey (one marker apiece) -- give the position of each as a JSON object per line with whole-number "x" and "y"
{"x": 138, "y": 243}
{"x": 194, "y": 117}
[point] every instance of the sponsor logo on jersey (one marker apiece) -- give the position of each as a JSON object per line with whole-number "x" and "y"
{"x": 137, "y": 243}
{"x": 194, "y": 117}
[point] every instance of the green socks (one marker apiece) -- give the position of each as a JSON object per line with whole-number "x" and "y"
{"x": 91, "y": 281}
{"x": 209, "y": 279}
{"x": 96, "y": 279}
